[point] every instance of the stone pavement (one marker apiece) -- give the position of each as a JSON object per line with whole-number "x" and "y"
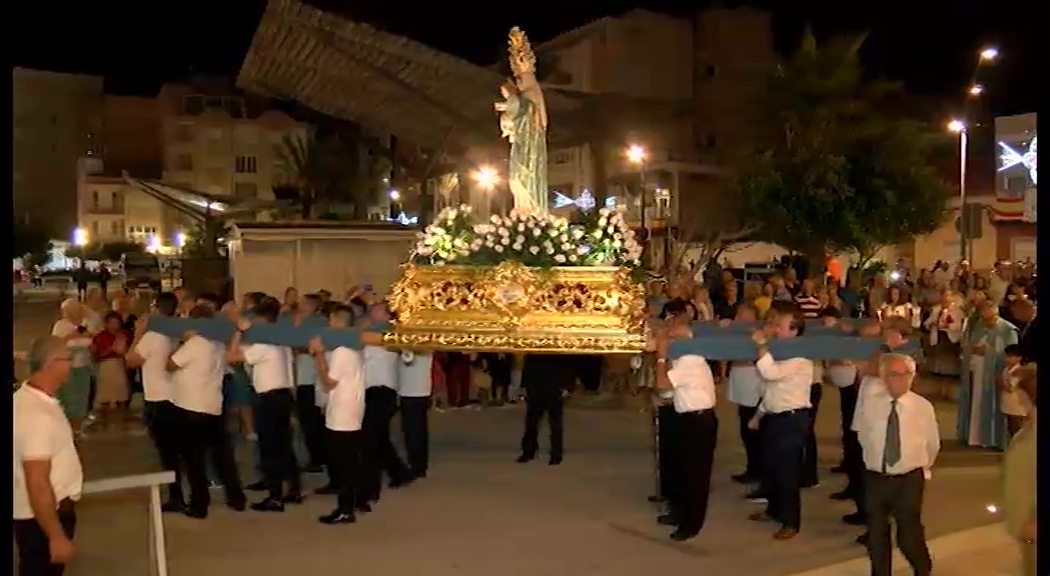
{"x": 480, "y": 513}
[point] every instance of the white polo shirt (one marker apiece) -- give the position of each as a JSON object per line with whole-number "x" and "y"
{"x": 197, "y": 384}
{"x": 381, "y": 367}
{"x": 693, "y": 382}
{"x": 346, "y": 402}
{"x": 155, "y": 350}
{"x": 271, "y": 366}
{"x": 786, "y": 383}
{"x": 42, "y": 432}
{"x": 414, "y": 379}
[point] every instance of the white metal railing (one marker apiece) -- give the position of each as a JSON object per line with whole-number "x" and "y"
{"x": 158, "y": 555}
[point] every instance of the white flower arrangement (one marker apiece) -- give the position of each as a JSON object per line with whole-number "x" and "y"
{"x": 599, "y": 238}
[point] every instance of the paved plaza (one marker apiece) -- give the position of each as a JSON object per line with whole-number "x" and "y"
{"x": 480, "y": 513}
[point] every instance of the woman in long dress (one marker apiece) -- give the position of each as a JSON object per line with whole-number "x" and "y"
{"x": 73, "y": 395}
{"x": 981, "y": 422}
{"x": 945, "y": 327}
{"x": 108, "y": 348}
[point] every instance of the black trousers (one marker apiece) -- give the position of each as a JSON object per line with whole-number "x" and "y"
{"x": 589, "y": 371}
{"x": 34, "y": 552}
{"x": 691, "y": 469}
{"x": 204, "y": 435}
{"x": 311, "y": 422}
{"x": 899, "y": 497}
{"x": 667, "y": 437}
{"x": 752, "y": 440}
{"x": 273, "y": 423}
{"x": 378, "y": 452}
{"x": 162, "y": 420}
{"x": 344, "y": 466}
{"x": 783, "y": 443}
{"x": 536, "y": 405}
{"x": 852, "y": 457}
{"x": 500, "y": 368}
{"x": 809, "y": 454}
{"x": 415, "y": 429}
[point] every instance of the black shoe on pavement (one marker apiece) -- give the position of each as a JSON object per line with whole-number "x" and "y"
{"x": 846, "y": 494}
{"x": 757, "y": 497}
{"x": 363, "y": 508}
{"x": 198, "y": 513}
{"x": 259, "y": 486}
{"x": 744, "y": 478}
{"x": 840, "y": 469}
{"x": 554, "y": 461}
{"x": 236, "y": 505}
{"x": 327, "y": 490}
{"x": 338, "y": 517}
{"x": 683, "y": 535}
{"x": 855, "y": 519}
{"x": 293, "y": 497}
{"x": 270, "y": 504}
{"x": 666, "y": 520}
{"x": 173, "y": 506}
{"x": 525, "y": 458}
{"x": 862, "y": 539}
{"x": 655, "y": 499}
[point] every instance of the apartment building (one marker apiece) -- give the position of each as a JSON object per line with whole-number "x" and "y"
{"x": 56, "y": 120}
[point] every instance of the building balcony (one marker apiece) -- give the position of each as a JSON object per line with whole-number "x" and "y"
{"x": 106, "y": 210}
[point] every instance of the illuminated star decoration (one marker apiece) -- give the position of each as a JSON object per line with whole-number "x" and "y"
{"x": 585, "y": 201}
{"x": 1010, "y": 158}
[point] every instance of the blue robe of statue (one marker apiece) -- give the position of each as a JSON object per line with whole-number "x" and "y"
{"x": 981, "y": 422}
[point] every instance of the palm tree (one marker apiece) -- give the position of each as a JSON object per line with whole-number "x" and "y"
{"x": 301, "y": 165}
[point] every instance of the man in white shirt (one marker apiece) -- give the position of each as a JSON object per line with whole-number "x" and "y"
{"x": 342, "y": 375}
{"x": 198, "y": 367}
{"x": 272, "y": 379}
{"x": 414, "y": 384}
{"x": 696, "y": 428}
{"x": 150, "y": 352}
{"x": 785, "y": 415}
{"x": 900, "y": 440}
{"x": 311, "y": 419}
{"x": 47, "y": 473}
{"x": 378, "y": 452}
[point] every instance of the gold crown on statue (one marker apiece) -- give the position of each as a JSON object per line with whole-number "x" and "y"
{"x": 522, "y": 59}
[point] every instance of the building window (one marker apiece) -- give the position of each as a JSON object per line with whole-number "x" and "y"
{"x": 94, "y": 199}
{"x": 116, "y": 200}
{"x": 663, "y": 202}
{"x": 114, "y": 228}
{"x": 94, "y": 229}
{"x": 184, "y": 162}
{"x": 246, "y": 164}
{"x": 245, "y": 190}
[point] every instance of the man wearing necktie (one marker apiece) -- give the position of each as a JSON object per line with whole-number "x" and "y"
{"x": 899, "y": 439}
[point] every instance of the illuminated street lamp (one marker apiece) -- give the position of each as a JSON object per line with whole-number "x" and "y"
{"x": 394, "y": 195}
{"x": 976, "y": 90}
{"x": 486, "y": 177}
{"x": 80, "y": 237}
{"x": 959, "y": 127}
{"x": 154, "y": 244}
{"x": 637, "y": 155}
{"x": 989, "y": 53}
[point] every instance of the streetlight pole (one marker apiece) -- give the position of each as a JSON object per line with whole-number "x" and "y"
{"x": 637, "y": 155}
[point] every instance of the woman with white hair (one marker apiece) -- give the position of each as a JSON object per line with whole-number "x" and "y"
{"x": 73, "y": 395}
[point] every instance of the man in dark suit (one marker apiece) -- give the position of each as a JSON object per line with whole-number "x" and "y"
{"x": 1024, "y": 312}
{"x": 545, "y": 379}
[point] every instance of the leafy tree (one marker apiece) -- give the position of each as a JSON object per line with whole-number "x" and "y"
{"x": 32, "y": 246}
{"x": 836, "y": 165}
{"x": 207, "y": 239}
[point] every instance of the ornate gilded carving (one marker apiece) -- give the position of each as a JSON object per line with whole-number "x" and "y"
{"x": 511, "y": 307}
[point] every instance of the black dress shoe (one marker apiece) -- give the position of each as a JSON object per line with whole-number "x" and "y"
{"x": 657, "y": 499}
{"x": 862, "y": 539}
{"x": 401, "y": 482}
{"x": 237, "y": 505}
{"x": 554, "y": 461}
{"x": 757, "y": 497}
{"x": 338, "y": 517}
{"x": 363, "y": 508}
{"x": 843, "y": 495}
{"x": 293, "y": 497}
{"x": 810, "y": 484}
{"x": 173, "y": 506}
{"x": 327, "y": 490}
{"x": 666, "y": 520}
{"x": 855, "y": 519}
{"x": 259, "y": 486}
{"x": 840, "y": 469}
{"x": 683, "y": 535}
{"x": 525, "y": 458}
{"x": 198, "y": 513}
{"x": 270, "y": 504}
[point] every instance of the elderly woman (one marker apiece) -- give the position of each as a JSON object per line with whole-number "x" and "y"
{"x": 945, "y": 328}
{"x": 73, "y": 395}
{"x": 1019, "y": 475}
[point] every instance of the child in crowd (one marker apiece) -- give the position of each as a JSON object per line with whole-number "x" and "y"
{"x": 1011, "y": 404}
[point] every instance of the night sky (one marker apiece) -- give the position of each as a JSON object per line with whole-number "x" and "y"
{"x": 931, "y": 45}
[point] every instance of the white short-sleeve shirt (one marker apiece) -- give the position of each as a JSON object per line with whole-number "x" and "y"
{"x": 271, "y": 367}
{"x": 41, "y": 431}
{"x": 693, "y": 382}
{"x": 79, "y": 347}
{"x": 197, "y": 384}
{"x": 414, "y": 378}
{"x": 346, "y": 402}
{"x": 155, "y": 349}
{"x": 381, "y": 367}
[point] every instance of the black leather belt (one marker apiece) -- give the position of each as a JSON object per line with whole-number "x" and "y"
{"x": 787, "y": 412}
{"x": 901, "y": 475}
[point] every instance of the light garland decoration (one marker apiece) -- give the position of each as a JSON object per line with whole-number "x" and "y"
{"x": 1009, "y": 158}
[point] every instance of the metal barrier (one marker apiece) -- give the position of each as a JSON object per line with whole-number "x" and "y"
{"x": 158, "y": 555}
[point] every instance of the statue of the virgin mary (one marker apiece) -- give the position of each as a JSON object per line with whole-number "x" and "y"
{"x": 523, "y": 121}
